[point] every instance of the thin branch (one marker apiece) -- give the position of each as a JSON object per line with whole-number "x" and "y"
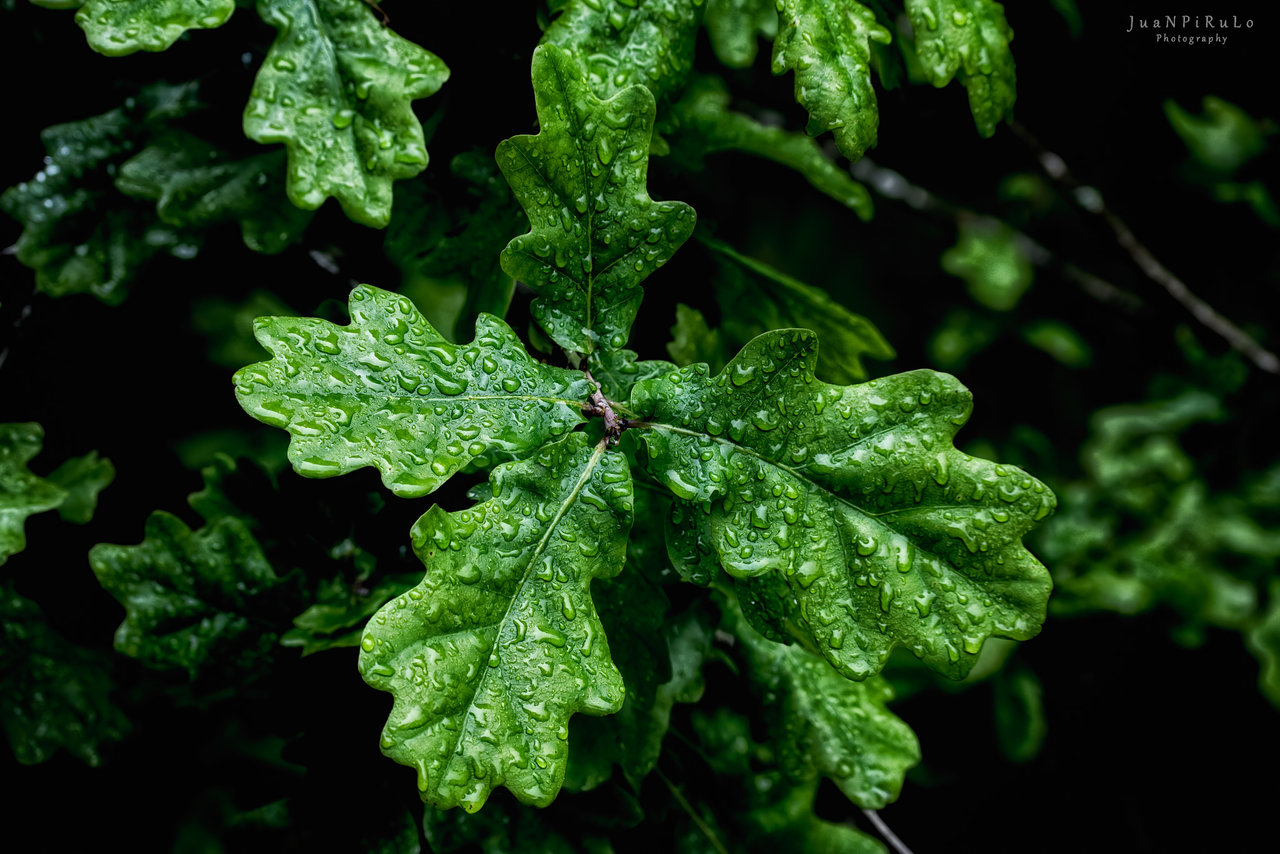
{"x": 1089, "y": 199}
{"x": 885, "y": 833}
{"x": 892, "y": 185}
{"x": 692, "y": 813}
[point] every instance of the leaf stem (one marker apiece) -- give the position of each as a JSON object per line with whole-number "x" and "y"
{"x": 689, "y": 810}
{"x": 888, "y": 835}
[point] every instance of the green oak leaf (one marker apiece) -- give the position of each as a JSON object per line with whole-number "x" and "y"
{"x": 78, "y": 234}
{"x": 195, "y": 184}
{"x": 968, "y": 40}
{"x": 826, "y": 725}
{"x": 733, "y": 26}
{"x": 624, "y": 43}
{"x": 389, "y": 391}
{"x": 337, "y": 89}
{"x": 82, "y": 478}
{"x": 828, "y": 46}
{"x": 596, "y": 234}
{"x": 701, "y": 123}
{"x": 52, "y": 693}
{"x": 501, "y": 643}
{"x": 21, "y": 492}
{"x": 763, "y": 298}
{"x": 991, "y": 259}
{"x": 846, "y": 510}
{"x": 186, "y": 593}
{"x": 120, "y": 27}
{"x": 1264, "y": 642}
{"x": 692, "y": 340}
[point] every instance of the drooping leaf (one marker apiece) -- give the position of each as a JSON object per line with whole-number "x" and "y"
{"x": 78, "y": 234}
{"x": 847, "y": 510}
{"x": 991, "y": 259}
{"x": 968, "y": 40}
{"x": 82, "y": 478}
{"x": 733, "y": 26}
{"x": 701, "y": 123}
{"x": 21, "y": 492}
{"x": 826, "y": 725}
{"x": 52, "y": 693}
{"x": 337, "y": 89}
{"x": 623, "y": 43}
{"x": 763, "y": 298}
{"x": 454, "y": 240}
{"x": 195, "y": 184}
{"x": 596, "y": 234}
{"x": 828, "y": 46}
{"x": 120, "y": 27}
{"x": 187, "y": 593}
{"x": 501, "y": 643}
{"x": 389, "y": 391}
{"x": 337, "y": 617}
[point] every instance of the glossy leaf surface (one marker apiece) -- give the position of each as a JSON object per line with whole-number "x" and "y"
{"x": 501, "y": 643}
{"x": 826, "y": 725}
{"x": 623, "y": 43}
{"x": 337, "y": 89}
{"x": 828, "y": 46}
{"x": 53, "y": 694}
{"x": 596, "y": 233}
{"x": 21, "y": 492}
{"x": 701, "y": 123}
{"x": 389, "y": 391}
{"x": 120, "y": 27}
{"x": 968, "y": 40}
{"x": 846, "y": 510}
{"x": 186, "y": 593}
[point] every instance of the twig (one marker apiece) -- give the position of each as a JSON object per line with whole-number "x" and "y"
{"x": 598, "y": 404}
{"x": 893, "y": 185}
{"x": 692, "y": 813}
{"x": 1091, "y": 200}
{"x": 888, "y": 835}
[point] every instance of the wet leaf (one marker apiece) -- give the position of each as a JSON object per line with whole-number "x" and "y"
{"x": 120, "y": 27}
{"x": 828, "y": 46}
{"x": 734, "y": 25}
{"x": 968, "y": 40}
{"x": 596, "y": 234}
{"x": 846, "y": 511}
{"x": 337, "y": 617}
{"x": 21, "y": 492}
{"x": 389, "y": 391}
{"x": 501, "y": 644}
{"x": 337, "y": 89}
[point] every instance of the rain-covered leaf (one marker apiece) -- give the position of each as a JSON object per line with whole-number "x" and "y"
{"x": 337, "y": 88}
{"x": 195, "y": 184}
{"x": 828, "y": 46}
{"x": 78, "y": 234}
{"x": 846, "y": 511}
{"x": 187, "y": 593}
{"x": 968, "y": 40}
{"x": 389, "y": 391}
{"x": 52, "y": 693}
{"x": 596, "y": 234}
{"x": 758, "y": 298}
{"x": 622, "y": 43}
{"x": 734, "y": 25}
{"x": 82, "y": 478}
{"x": 501, "y": 643}
{"x": 991, "y": 259}
{"x": 826, "y": 725}
{"x": 339, "y": 613}
{"x": 451, "y": 241}
{"x": 120, "y": 27}
{"x": 701, "y": 123}
{"x": 21, "y": 492}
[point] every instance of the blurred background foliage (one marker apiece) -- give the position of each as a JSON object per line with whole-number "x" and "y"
{"x": 1154, "y": 685}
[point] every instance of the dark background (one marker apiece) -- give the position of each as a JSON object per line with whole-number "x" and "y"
{"x": 1151, "y": 746}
